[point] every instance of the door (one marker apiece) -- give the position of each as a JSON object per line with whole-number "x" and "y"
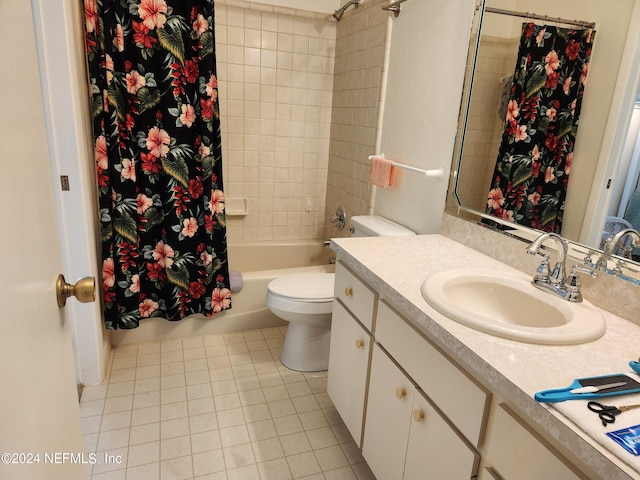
{"x": 40, "y": 432}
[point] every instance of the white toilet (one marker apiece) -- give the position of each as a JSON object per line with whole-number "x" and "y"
{"x": 305, "y": 300}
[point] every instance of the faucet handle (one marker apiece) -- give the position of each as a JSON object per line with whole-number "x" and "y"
{"x": 583, "y": 269}
{"x": 573, "y": 283}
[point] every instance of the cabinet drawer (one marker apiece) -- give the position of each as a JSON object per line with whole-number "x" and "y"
{"x": 516, "y": 452}
{"x": 460, "y": 398}
{"x": 355, "y": 295}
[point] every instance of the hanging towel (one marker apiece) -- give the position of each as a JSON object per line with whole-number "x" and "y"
{"x": 381, "y": 173}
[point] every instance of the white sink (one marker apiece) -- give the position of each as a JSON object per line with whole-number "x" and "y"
{"x": 508, "y": 305}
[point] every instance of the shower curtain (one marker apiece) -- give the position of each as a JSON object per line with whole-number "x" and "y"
{"x": 532, "y": 169}
{"x": 154, "y": 101}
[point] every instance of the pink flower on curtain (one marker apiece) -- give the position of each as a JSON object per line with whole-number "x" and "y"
{"x": 163, "y": 254}
{"x": 188, "y": 115}
{"x": 495, "y": 199}
{"x": 216, "y": 203}
{"x": 128, "y": 169}
{"x": 200, "y": 25}
{"x": 552, "y": 62}
{"x": 118, "y": 38}
{"x": 147, "y": 308}
{"x": 190, "y": 227}
{"x": 220, "y": 299}
{"x": 91, "y": 15}
{"x": 135, "y": 283}
{"x": 153, "y": 13}
{"x": 143, "y": 203}
{"x": 158, "y": 142}
{"x": 135, "y": 82}
{"x": 102, "y": 159}
{"x": 512, "y": 110}
{"x": 108, "y": 273}
{"x": 549, "y": 175}
{"x": 212, "y": 87}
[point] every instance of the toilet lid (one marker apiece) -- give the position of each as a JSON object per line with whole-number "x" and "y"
{"x": 307, "y": 287}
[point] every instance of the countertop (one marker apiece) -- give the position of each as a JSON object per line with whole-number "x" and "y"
{"x": 396, "y": 267}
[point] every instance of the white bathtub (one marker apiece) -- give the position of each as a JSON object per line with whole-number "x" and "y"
{"x": 259, "y": 262}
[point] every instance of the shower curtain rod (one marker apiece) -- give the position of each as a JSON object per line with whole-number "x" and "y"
{"x": 500, "y": 11}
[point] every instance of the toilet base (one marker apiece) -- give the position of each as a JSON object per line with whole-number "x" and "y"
{"x": 306, "y": 348}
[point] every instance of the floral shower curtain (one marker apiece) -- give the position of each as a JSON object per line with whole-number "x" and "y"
{"x": 532, "y": 170}
{"x": 154, "y": 100}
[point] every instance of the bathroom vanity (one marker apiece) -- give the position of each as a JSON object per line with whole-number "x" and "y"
{"x": 422, "y": 393}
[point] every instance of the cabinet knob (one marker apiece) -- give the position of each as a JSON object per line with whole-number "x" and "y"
{"x": 418, "y": 415}
{"x": 400, "y": 392}
{"x": 348, "y": 291}
{"x": 359, "y": 343}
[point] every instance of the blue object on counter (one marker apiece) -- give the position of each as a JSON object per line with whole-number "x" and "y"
{"x": 562, "y": 394}
{"x": 627, "y": 438}
{"x": 635, "y": 366}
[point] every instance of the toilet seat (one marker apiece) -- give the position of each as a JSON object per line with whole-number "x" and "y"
{"x": 308, "y": 287}
{"x": 302, "y": 296}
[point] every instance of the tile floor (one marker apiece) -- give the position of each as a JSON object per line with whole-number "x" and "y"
{"x": 215, "y": 407}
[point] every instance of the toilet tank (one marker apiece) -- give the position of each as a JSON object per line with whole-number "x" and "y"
{"x": 374, "y": 226}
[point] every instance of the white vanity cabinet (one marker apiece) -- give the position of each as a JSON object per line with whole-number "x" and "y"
{"x": 408, "y": 436}
{"x": 350, "y": 348}
{"x": 405, "y": 437}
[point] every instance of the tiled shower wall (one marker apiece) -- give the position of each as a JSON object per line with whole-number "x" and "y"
{"x": 357, "y": 97}
{"x": 275, "y": 70}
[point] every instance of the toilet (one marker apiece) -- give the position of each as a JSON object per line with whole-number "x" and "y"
{"x": 305, "y": 300}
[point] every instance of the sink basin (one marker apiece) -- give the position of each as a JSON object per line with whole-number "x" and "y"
{"x": 507, "y": 305}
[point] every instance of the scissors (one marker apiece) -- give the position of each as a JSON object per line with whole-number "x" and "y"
{"x": 607, "y": 413}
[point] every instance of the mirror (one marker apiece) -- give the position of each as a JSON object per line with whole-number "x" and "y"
{"x": 594, "y": 188}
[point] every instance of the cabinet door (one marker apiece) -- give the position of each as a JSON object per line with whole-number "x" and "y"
{"x": 435, "y": 450}
{"x": 387, "y": 424}
{"x": 516, "y": 452}
{"x": 348, "y": 362}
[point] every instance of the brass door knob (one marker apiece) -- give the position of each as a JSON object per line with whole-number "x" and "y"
{"x": 359, "y": 343}
{"x": 418, "y": 415}
{"x": 400, "y": 392}
{"x": 84, "y": 290}
{"x": 348, "y": 291}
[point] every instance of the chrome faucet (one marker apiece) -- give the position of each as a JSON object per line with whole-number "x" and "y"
{"x": 611, "y": 244}
{"x": 559, "y": 274}
{"x": 556, "y": 282}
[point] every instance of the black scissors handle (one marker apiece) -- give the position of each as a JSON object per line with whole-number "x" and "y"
{"x": 607, "y": 413}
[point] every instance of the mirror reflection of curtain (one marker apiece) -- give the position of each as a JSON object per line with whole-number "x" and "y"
{"x": 157, "y": 143}
{"x": 534, "y": 160}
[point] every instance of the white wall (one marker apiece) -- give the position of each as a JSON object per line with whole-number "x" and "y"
{"x": 429, "y": 43}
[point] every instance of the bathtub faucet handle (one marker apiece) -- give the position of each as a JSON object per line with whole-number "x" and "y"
{"x": 339, "y": 220}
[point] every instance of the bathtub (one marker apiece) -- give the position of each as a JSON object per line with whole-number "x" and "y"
{"x": 259, "y": 262}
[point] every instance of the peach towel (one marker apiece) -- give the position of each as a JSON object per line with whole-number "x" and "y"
{"x": 381, "y": 173}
